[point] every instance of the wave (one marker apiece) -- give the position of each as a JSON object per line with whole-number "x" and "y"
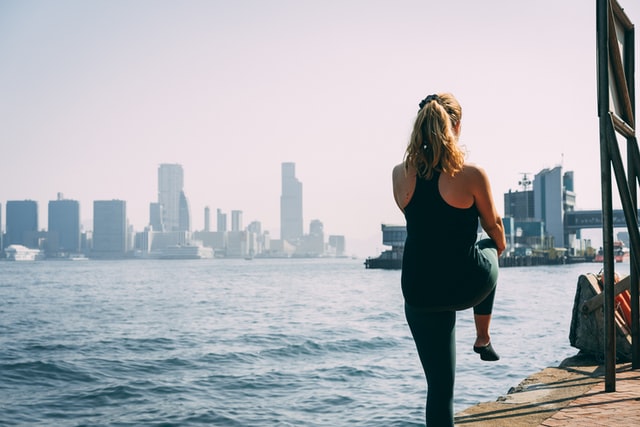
{"x": 143, "y": 344}
{"x": 112, "y": 394}
{"x": 42, "y": 373}
{"x": 221, "y": 348}
{"x": 311, "y": 347}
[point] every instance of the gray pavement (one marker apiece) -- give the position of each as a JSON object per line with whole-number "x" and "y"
{"x": 569, "y": 395}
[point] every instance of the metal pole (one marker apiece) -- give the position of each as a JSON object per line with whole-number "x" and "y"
{"x": 633, "y": 172}
{"x": 633, "y": 271}
{"x": 607, "y": 211}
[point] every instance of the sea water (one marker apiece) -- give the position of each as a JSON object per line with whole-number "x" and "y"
{"x": 277, "y": 342}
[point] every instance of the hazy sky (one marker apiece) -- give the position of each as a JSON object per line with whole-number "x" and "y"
{"x": 94, "y": 95}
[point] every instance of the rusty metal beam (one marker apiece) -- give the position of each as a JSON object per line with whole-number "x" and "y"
{"x": 616, "y": 80}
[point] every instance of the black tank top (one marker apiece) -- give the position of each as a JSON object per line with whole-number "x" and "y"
{"x": 440, "y": 245}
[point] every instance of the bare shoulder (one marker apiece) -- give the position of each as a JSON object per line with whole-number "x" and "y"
{"x": 398, "y": 170}
{"x": 402, "y": 173}
{"x": 474, "y": 172}
{"x": 403, "y": 184}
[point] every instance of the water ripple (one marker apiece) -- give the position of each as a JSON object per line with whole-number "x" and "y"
{"x": 42, "y": 373}
{"x": 309, "y": 343}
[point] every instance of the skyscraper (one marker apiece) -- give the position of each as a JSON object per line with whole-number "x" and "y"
{"x": 109, "y": 228}
{"x": 552, "y": 199}
{"x": 175, "y": 208}
{"x": 63, "y": 225}
{"x": 22, "y": 223}
{"x": 221, "y": 221}
{"x": 155, "y": 217}
{"x": 184, "y": 214}
{"x": 236, "y": 220}
{"x": 291, "y": 227}
{"x": 207, "y": 219}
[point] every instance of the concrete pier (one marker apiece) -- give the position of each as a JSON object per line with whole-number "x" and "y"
{"x": 569, "y": 395}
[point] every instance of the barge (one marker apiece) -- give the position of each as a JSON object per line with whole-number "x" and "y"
{"x": 390, "y": 259}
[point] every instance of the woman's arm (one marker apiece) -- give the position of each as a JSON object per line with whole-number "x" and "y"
{"x": 489, "y": 219}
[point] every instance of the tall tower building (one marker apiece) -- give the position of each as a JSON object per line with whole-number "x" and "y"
{"x": 291, "y": 227}
{"x": 155, "y": 217}
{"x": 109, "y": 228}
{"x": 236, "y": 220}
{"x": 207, "y": 219}
{"x": 184, "y": 214}
{"x": 221, "y": 221}
{"x": 64, "y": 225}
{"x": 22, "y": 223}
{"x": 553, "y": 192}
{"x": 171, "y": 196}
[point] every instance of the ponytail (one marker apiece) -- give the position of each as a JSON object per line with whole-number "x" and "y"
{"x": 434, "y": 144}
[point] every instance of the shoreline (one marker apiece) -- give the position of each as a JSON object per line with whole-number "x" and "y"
{"x": 539, "y": 396}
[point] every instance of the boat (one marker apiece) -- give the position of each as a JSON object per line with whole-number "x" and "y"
{"x": 390, "y": 259}
{"x": 599, "y": 256}
{"x": 186, "y": 252}
{"x": 22, "y": 253}
{"x": 620, "y": 253}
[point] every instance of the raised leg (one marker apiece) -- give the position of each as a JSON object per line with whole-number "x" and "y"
{"x": 482, "y": 321}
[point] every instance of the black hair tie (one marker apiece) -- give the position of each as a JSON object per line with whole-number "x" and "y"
{"x": 428, "y": 99}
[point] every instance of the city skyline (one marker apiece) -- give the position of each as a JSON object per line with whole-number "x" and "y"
{"x": 170, "y": 193}
{"x": 112, "y": 235}
{"x": 171, "y": 178}
{"x": 97, "y": 94}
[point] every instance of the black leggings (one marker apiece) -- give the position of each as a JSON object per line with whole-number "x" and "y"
{"x": 435, "y": 336}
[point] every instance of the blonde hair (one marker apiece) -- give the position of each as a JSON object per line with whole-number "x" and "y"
{"x": 434, "y": 143}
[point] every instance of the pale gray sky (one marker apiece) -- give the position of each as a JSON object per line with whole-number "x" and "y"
{"x": 94, "y": 95}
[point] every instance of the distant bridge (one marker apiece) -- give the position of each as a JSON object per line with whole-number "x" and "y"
{"x": 578, "y": 220}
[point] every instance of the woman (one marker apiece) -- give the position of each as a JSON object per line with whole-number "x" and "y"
{"x": 444, "y": 268}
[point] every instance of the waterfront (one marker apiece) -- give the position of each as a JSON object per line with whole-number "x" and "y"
{"x": 291, "y": 342}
